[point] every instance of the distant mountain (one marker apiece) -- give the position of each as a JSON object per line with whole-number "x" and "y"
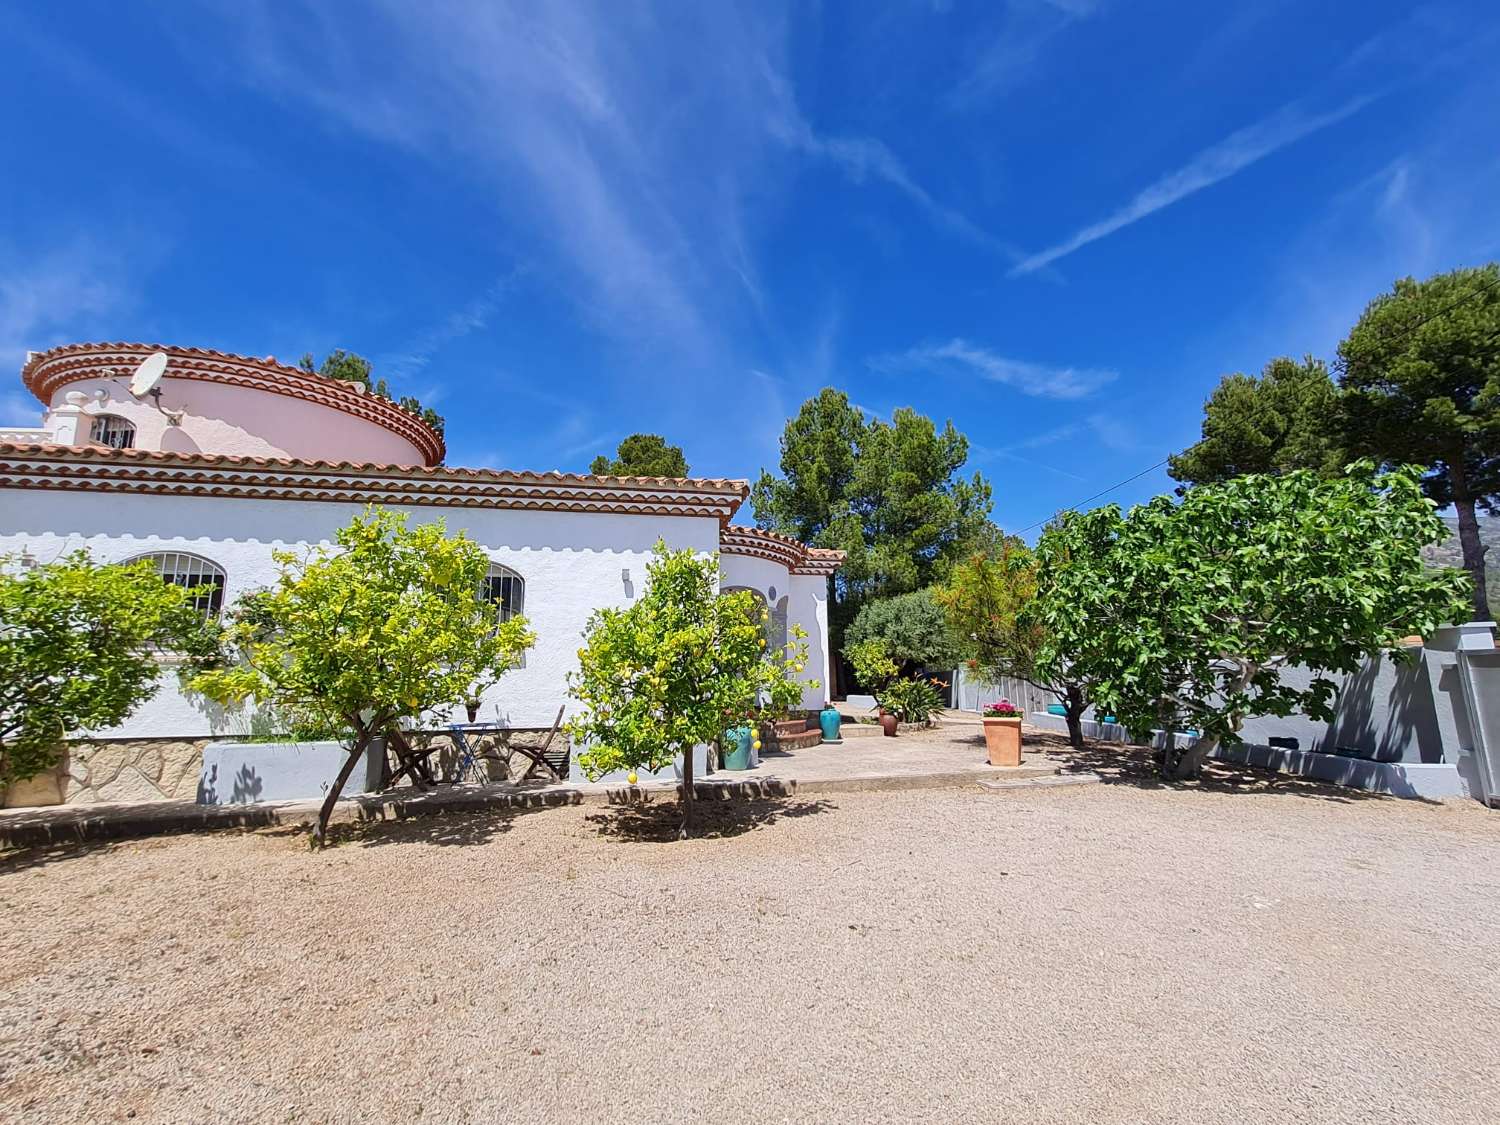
{"x": 1449, "y": 553}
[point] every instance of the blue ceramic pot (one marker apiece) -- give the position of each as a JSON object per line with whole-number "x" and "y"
{"x": 828, "y": 721}
{"x": 737, "y": 748}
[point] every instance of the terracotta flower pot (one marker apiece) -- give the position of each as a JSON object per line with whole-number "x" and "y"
{"x": 888, "y": 724}
{"x": 1002, "y": 738}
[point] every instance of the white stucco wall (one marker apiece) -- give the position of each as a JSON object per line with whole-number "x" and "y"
{"x": 805, "y": 606}
{"x": 241, "y": 421}
{"x": 809, "y": 606}
{"x": 572, "y": 563}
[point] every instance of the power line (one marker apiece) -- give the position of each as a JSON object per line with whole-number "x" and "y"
{"x": 1477, "y": 291}
{"x": 1096, "y": 495}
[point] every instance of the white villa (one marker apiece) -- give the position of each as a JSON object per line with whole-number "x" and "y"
{"x": 227, "y": 458}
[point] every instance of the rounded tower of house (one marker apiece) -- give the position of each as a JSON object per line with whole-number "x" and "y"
{"x": 219, "y": 404}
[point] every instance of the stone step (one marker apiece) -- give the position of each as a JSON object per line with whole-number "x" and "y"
{"x": 785, "y": 727}
{"x": 799, "y": 741}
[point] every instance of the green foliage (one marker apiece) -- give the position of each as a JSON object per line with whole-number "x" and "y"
{"x": 350, "y": 368}
{"x": 911, "y": 700}
{"x": 675, "y": 668}
{"x": 79, "y": 648}
{"x": 1420, "y": 373}
{"x": 783, "y": 683}
{"x": 1287, "y": 418}
{"x": 1181, "y": 616}
{"x": 342, "y": 365}
{"x": 872, "y": 664}
{"x": 912, "y": 628}
{"x": 886, "y": 493}
{"x": 642, "y": 455}
{"x": 985, "y": 599}
{"x": 387, "y": 626}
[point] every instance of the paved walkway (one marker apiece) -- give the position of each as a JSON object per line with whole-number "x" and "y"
{"x": 951, "y": 754}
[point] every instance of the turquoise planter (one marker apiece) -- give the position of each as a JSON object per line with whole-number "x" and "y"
{"x": 1056, "y": 709}
{"x": 828, "y": 722}
{"x": 737, "y": 748}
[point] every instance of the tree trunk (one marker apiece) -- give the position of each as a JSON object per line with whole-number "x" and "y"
{"x": 1187, "y": 765}
{"x": 687, "y": 793}
{"x": 320, "y": 829}
{"x": 1473, "y": 547}
{"x": 1074, "y": 705}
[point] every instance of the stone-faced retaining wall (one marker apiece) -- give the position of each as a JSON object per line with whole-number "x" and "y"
{"x": 116, "y": 769}
{"x": 167, "y": 769}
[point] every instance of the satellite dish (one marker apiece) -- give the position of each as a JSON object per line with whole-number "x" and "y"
{"x": 148, "y": 374}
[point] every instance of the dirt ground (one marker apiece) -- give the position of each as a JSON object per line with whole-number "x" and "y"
{"x": 1234, "y": 952}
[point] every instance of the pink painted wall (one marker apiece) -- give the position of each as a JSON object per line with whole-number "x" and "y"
{"x": 243, "y": 421}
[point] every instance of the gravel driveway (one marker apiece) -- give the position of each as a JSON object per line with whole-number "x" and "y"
{"x": 1101, "y": 953}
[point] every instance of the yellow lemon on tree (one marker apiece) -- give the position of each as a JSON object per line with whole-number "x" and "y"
{"x": 756, "y": 744}
{"x": 630, "y": 777}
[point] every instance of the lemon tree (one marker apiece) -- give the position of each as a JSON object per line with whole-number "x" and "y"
{"x": 80, "y": 647}
{"x": 387, "y": 624}
{"x": 784, "y": 682}
{"x": 671, "y": 671}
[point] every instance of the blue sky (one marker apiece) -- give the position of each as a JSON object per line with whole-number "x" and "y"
{"x": 1057, "y": 222}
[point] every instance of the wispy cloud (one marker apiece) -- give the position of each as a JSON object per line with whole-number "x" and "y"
{"x": 458, "y": 324}
{"x": 866, "y": 158}
{"x": 959, "y": 357}
{"x": 1015, "y": 47}
{"x": 48, "y": 297}
{"x": 1097, "y": 428}
{"x": 1218, "y": 162}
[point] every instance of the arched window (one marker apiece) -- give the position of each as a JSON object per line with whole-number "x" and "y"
{"x": 113, "y": 431}
{"x": 506, "y": 589}
{"x": 192, "y": 573}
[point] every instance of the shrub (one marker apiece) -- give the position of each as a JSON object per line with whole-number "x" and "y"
{"x": 674, "y": 669}
{"x": 783, "y": 689}
{"x": 80, "y": 647}
{"x": 911, "y": 701}
{"x": 913, "y": 628}
{"x": 388, "y": 625}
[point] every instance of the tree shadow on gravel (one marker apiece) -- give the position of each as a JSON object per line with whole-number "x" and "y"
{"x": 1120, "y": 764}
{"x": 658, "y": 822}
{"x": 16, "y": 860}
{"x": 458, "y": 828}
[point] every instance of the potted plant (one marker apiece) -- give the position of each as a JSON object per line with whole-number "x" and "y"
{"x": 1002, "y": 733}
{"x": 874, "y": 668}
{"x": 909, "y": 701}
{"x": 471, "y": 705}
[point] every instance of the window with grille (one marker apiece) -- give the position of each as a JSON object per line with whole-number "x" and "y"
{"x": 506, "y": 590}
{"x": 113, "y": 431}
{"x": 192, "y": 573}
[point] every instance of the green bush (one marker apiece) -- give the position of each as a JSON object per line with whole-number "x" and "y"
{"x": 912, "y": 627}
{"x": 80, "y": 647}
{"x": 911, "y": 701}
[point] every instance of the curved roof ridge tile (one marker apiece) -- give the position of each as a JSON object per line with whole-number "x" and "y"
{"x": 730, "y": 487}
{"x": 342, "y": 394}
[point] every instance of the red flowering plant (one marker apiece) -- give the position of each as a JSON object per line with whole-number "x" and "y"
{"x": 1005, "y": 709}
